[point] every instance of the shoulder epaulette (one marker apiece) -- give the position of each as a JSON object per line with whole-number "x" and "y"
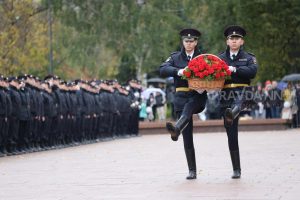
{"x": 252, "y": 54}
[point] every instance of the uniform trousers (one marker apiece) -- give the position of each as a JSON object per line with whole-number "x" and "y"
{"x": 230, "y": 98}
{"x": 186, "y": 104}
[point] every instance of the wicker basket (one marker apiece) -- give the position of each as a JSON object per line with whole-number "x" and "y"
{"x": 201, "y": 85}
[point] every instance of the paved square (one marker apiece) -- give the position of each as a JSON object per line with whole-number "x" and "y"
{"x": 153, "y": 167}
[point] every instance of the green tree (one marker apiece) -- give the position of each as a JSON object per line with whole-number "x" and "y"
{"x": 137, "y": 35}
{"x": 23, "y": 37}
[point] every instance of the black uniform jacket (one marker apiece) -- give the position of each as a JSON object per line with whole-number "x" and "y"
{"x": 246, "y": 66}
{"x": 15, "y": 100}
{"x": 178, "y": 60}
{"x": 25, "y": 113}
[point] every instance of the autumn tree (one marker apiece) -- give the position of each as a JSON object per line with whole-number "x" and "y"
{"x": 23, "y": 37}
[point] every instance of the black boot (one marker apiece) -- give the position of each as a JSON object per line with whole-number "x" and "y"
{"x": 14, "y": 149}
{"x": 235, "y": 159}
{"x": 191, "y": 161}
{"x": 21, "y": 148}
{"x": 180, "y": 125}
{"x": 231, "y": 114}
{"x": 9, "y": 149}
{"x": 3, "y": 150}
{"x": 2, "y": 154}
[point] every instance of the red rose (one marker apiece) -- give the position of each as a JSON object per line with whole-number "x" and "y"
{"x": 206, "y": 73}
{"x": 228, "y": 72}
{"x": 201, "y": 75}
{"x": 211, "y": 71}
{"x": 214, "y": 66}
{"x": 187, "y": 73}
{"x": 209, "y": 57}
{"x": 201, "y": 67}
{"x": 224, "y": 65}
{"x": 216, "y": 59}
{"x": 196, "y": 69}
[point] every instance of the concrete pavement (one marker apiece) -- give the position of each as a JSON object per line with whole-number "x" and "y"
{"x": 154, "y": 167}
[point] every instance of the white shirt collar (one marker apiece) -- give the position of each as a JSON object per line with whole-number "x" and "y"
{"x": 191, "y": 54}
{"x": 231, "y": 53}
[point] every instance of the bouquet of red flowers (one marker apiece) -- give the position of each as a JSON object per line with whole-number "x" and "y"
{"x": 206, "y": 72}
{"x": 208, "y": 67}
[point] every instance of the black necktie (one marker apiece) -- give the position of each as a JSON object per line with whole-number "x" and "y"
{"x": 189, "y": 58}
{"x": 233, "y": 56}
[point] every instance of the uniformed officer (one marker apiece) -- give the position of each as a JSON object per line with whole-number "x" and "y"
{"x": 49, "y": 114}
{"x": 73, "y": 111}
{"x": 134, "y": 89}
{"x": 233, "y": 97}
{"x": 14, "y": 93}
{"x": 5, "y": 114}
{"x": 24, "y": 117}
{"x": 186, "y": 101}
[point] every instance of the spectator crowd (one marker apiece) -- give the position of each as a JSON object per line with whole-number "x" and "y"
{"x": 270, "y": 101}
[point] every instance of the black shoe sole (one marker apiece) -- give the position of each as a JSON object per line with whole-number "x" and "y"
{"x": 191, "y": 176}
{"x": 171, "y": 130}
{"x": 236, "y": 175}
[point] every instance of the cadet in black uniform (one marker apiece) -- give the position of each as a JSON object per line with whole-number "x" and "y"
{"x": 105, "y": 120}
{"x": 33, "y": 112}
{"x": 73, "y": 111}
{"x": 186, "y": 101}
{"x": 87, "y": 110}
{"x": 49, "y": 114}
{"x": 135, "y": 90}
{"x": 14, "y": 119}
{"x": 5, "y": 113}
{"x": 110, "y": 109}
{"x": 79, "y": 113}
{"x": 243, "y": 67}
{"x": 24, "y": 117}
{"x": 118, "y": 117}
{"x": 40, "y": 113}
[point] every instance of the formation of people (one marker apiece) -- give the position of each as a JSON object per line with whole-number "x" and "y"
{"x": 243, "y": 67}
{"x": 52, "y": 113}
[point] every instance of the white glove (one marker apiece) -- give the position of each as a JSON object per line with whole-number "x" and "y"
{"x": 232, "y": 69}
{"x": 180, "y": 72}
